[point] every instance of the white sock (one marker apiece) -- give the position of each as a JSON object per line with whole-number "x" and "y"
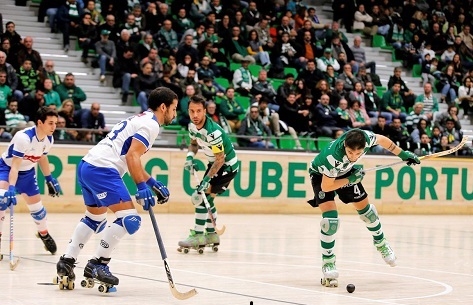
{"x": 38, "y": 212}
{"x": 2, "y": 220}
{"x": 111, "y": 236}
{"x": 81, "y": 235}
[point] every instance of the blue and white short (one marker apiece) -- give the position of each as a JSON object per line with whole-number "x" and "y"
{"x": 26, "y": 182}
{"x": 101, "y": 186}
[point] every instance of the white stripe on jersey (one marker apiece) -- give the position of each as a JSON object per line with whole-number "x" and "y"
{"x": 25, "y": 144}
{"x": 111, "y": 151}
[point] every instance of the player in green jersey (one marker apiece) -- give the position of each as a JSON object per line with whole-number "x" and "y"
{"x": 221, "y": 169}
{"x": 334, "y": 171}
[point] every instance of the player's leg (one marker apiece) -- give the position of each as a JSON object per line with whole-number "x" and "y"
{"x": 4, "y": 184}
{"x": 27, "y": 186}
{"x": 369, "y": 215}
{"x": 328, "y": 227}
{"x": 110, "y": 190}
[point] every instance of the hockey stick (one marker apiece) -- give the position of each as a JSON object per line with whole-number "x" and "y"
{"x": 178, "y": 295}
{"x": 13, "y": 264}
{"x": 209, "y": 211}
{"x": 436, "y": 155}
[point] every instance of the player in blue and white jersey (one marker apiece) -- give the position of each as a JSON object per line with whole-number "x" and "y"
{"x": 100, "y": 175}
{"x": 18, "y": 175}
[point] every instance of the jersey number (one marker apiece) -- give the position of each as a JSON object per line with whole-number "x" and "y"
{"x": 116, "y": 130}
{"x": 356, "y": 190}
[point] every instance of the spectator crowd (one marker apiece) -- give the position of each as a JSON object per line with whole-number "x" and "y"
{"x": 267, "y": 67}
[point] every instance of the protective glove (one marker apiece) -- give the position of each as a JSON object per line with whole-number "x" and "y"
{"x": 54, "y": 188}
{"x": 190, "y": 165}
{"x": 357, "y": 175}
{"x": 410, "y": 157}
{"x": 161, "y": 191}
{"x": 196, "y": 198}
{"x": 204, "y": 185}
{"x": 10, "y": 196}
{"x": 144, "y": 196}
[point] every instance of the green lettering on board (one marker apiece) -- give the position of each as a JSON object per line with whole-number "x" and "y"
{"x": 247, "y": 177}
{"x": 449, "y": 172}
{"x": 401, "y": 182}
{"x": 293, "y": 179}
{"x": 428, "y": 184}
{"x": 271, "y": 173}
{"x": 384, "y": 178}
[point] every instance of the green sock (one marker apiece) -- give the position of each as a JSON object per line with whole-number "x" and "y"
{"x": 328, "y": 241}
{"x": 371, "y": 219}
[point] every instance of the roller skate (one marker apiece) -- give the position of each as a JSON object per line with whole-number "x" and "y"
{"x": 194, "y": 241}
{"x": 48, "y": 241}
{"x": 330, "y": 273}
{"x": 65, "y": 273}
{"x": 212, "y": 240}
{"x": 386, "y": 252}
{"x": 96, "y": 271}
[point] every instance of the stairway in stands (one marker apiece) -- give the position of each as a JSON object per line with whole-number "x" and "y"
{"x": 50, "y": 47}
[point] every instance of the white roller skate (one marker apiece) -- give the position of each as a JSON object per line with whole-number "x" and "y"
{"x": 194, "y": 241}
{"x": 96, "y": 271}
{"x": 386, "y": 252}
{"x": 212, "y": 240}
{"x": 330, "y": 272}
{"x": 65, "y": 273}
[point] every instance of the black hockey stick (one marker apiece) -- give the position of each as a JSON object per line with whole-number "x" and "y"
{"x": 178, "y": 295}
{"x": 209, "y": 211}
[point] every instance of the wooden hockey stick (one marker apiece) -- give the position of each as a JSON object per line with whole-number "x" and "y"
{"x": 13, "y": 264}
{"x": 436, "y": 155}
{"x": 178, "y": 295}
{"x": 209, "y": 211}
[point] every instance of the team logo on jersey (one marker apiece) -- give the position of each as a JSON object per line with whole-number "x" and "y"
{"x": 102, "y": 195}
{"x": 321, "y": 195}
{"x": 33, "y": 159}
{"x": 104, "y": 244}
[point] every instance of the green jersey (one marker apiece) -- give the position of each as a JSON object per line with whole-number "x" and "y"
{"x": 333, "y": 162}
{"x": 212, "y": 139}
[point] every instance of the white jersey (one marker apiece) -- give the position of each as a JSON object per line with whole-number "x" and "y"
{"x": 25, "y": 144}
{"x": 111, "y": 151}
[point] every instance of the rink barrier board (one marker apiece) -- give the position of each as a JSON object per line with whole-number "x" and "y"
{"x": 279, "y": 183}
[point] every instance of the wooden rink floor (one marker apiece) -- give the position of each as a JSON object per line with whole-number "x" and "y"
{"x": 264, "y": 259}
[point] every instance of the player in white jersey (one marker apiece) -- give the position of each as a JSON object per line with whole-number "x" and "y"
{"x": 18, "y": 175}
{"x": 100, "y": 176}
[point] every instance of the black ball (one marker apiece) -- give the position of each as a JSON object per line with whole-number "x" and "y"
{"x": 350, "y": 288}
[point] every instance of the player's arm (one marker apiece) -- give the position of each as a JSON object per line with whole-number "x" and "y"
{"x": 144, "y": 182}
{"x": 218, "y": 163}
{"x": 54, "y": 189}
{"x": 133, "y": 161}
{"x": 407, "y": 156}
{"x": 14, "y": 169}
{"x": 190, "y": 164}
{"x": 331, "y": 184}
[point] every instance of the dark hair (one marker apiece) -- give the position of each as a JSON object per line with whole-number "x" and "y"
{"x": 197, "y": 99}
{"x": 161, "y": 95}
{"x": 355, "y": 139}
{"x": 43, "y": 113}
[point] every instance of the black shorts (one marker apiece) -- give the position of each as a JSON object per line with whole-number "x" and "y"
{"x": 347, "y": 194}
{"x": 219, "y": 183}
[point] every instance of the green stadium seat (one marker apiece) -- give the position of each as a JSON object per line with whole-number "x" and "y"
{"x": 378, "y": 41}
{"x": 323, "y": 142}
{"x": 287, "y": 142}
{"x": 234, "y": 66}
{"x": 173, "y": 127}
{"x": 220, "y": 64}
{"x": 222, "y": 82}
{"x": 182, "y": 137}
{"x": 276, "y": 82}
{"x": 380, "y": 90}
{"x": 288, "y": 70}
{"x": 244, "y": 101}
{"x": 417, "y": 70}
{"x": 254, "y": 69}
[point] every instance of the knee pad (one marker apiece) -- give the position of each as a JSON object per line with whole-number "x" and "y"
{"x": 131, "y": 223}
{"x": 96, "y": 226}
{"x": 370, "y": 216}
{"x": 329, "y": 226}
{"x": 39, "y": 215}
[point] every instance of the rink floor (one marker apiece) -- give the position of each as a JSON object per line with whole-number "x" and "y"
{"x": 264, "y": 259}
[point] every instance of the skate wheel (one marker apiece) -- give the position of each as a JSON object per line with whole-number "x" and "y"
{"x": 61, "y": 286}
{"x": 186, "y": 250}
{"x": 83, "y": 283}
{"x": 70, "y": 285}
{"x": 1, "y": 257}
{"x": 179, "y": 249}
{"x": 102, "y": 289}
{"x": 200, "y": 251}
{"x": 112, "y": 289}
{"x": 90, "y": 283}
{"x": 64, "y": 280}
{"x": 215, "y": 248}
{"x": 56, "y": 280}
